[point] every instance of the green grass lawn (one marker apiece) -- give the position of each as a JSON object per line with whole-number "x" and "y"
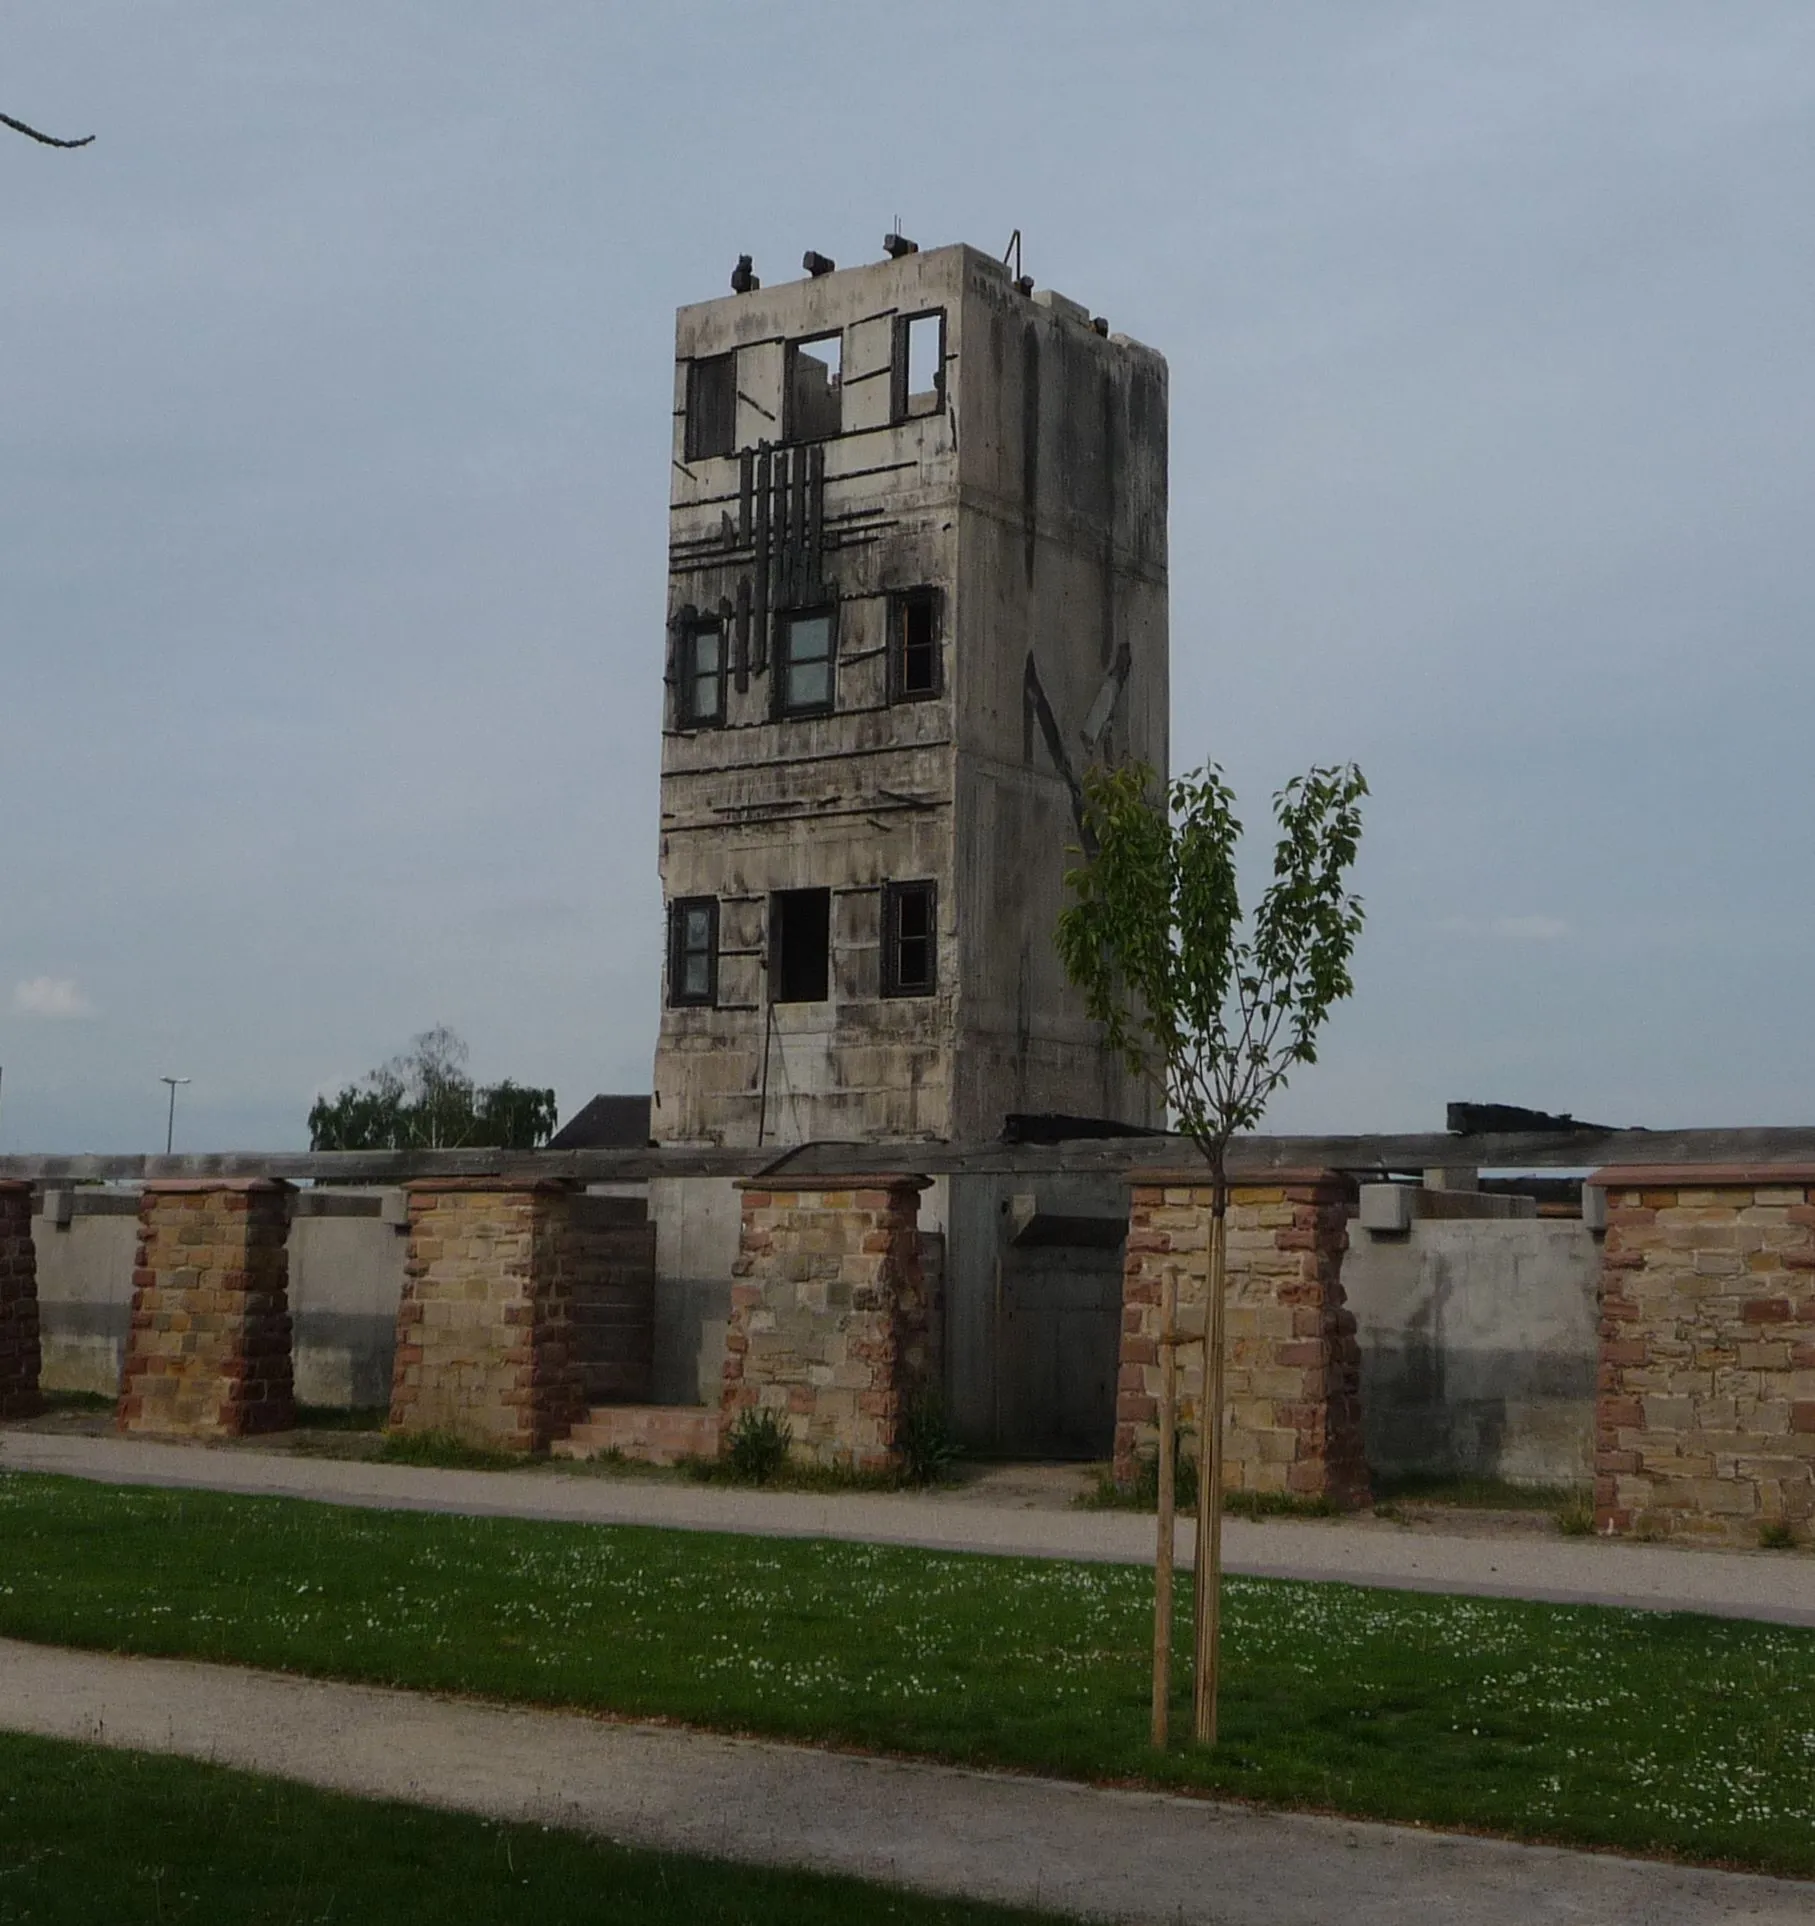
{"x": 1649, "y": 1732}
{"x": 91, "y": 1836}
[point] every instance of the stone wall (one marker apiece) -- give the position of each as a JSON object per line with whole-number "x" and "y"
{"x": 19, "y": 1355}
{"x": 485, "y": 1346}
{"x": 208, "y": 1344}
{"x": 830, "y": 1318}
{"x": 613, "y": 1299}
{"x": 1705, "y": 1415}
{"x": 1293, "y": 1383}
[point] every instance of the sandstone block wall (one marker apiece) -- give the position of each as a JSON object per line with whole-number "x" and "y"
{"x": 208, "y": 1344}
{"x": 613, "y": 1299}
{"x": 830, "y": 1316}
{"x": 19, "y": 1351}
{"x": 1293, "y": 1384}
{"x": 1705, "y": 1410}
{"x": 485, "y": 1336}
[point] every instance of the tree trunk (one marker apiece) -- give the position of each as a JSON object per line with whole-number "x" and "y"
{"x": 1162, "y": 1560}
{"x": 1209, "y": 1571}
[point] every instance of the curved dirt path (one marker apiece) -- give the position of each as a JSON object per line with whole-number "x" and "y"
{"x": 1142, "y": 1857}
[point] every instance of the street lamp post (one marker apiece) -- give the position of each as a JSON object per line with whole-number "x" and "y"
{"x": 170, "y": 1125}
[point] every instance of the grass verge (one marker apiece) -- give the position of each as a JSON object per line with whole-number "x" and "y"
{"x": 88, "y": 1834}
{"x": 1648, "y": 1732}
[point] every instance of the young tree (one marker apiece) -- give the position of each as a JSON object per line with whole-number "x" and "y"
{"x": 424, "y": 1100}
{"x": 1215, "y": 1007}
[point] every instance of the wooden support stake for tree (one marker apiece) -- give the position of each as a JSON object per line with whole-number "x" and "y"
{"x": 1209, "y": 1571}
{"x": 1162, "y": 1560}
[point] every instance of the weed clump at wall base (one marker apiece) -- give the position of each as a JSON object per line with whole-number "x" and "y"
{"x": 929, "y": 1453}
{"x": 446, "y": 1451}
{"x": 757, "y": 1446}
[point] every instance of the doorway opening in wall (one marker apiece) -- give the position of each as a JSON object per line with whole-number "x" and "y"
{"x": 800, "y": 945}
{"x": 711, "y": 406}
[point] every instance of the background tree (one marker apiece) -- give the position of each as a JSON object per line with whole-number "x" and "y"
{"x": 1216, "y": 1008}
{"x": 423, "y": 1099}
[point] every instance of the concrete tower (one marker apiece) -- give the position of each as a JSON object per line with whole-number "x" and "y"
{"x": 917, "y": 582}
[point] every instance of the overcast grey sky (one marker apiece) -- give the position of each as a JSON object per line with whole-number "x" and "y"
{"x": 334, "y": 397}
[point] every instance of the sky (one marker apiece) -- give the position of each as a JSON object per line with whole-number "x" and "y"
{"x": 334, "y": 415}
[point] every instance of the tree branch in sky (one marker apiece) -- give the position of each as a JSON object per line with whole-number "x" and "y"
{"x": 47, "y": 140}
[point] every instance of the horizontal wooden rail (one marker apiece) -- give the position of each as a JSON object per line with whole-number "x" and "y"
{"x": 1112, "y": 1156}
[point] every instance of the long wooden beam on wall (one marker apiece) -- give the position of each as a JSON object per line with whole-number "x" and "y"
{"x": 1113, "y": 1156}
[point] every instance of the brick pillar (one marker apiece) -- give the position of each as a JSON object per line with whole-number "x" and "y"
{"x": 208, "y": 1349}
{"x": 1705, "y": 1407}
{"x": 829, "y": 1313}
{"x": 19, "y": 1356}
{"x": 1293, "y": 1373}
{"x": 485, "y": 1335}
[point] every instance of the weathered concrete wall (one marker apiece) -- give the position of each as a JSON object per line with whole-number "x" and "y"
{"x": 208, "y": 1343}
{"x": 18, "y": 1304}
{"x": 485, "y": 1342}
{"x": 1478, "y": 1345}
{"x": 1041, "y": 530}
{"x": 697, "y": 1222}
{"x": 86, "y": 1240}
{"x": 345, "y": 1280}
{"x": 1705, "y": 1422}
{"x": 1293, "y": 1369}
{"x": 347, "y": 1254}
{"x": 829, "y": 1315}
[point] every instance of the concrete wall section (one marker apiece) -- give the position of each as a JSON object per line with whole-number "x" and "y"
{"x": 85, "y": 1242}
{"x": 1477, "y": 1347}
{"x": 697, "y": 1224}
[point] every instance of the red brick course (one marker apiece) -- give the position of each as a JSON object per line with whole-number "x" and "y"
{"x": 1293, "y": 1366}
{"x": 208, "y": 1349}
{"x": 19, "y": 1349}
{"x": 831, "y": 1319}
{"x": 486, "y": 1345}
{"x": 1705, "y": 1412}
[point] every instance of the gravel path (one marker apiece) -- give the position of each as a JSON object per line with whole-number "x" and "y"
{"x": 1774, "y": 1586}
{"x": 1115, "y": 1855}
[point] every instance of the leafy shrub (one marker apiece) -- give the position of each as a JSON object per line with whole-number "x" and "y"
{"x": 928, "y": 1450}
{"x": 1776, "y": 1536}
{"x": 757, "y": 1446}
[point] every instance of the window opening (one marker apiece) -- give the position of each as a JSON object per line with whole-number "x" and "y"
{"x": 804, "y": 682}
{"x": 711, "y": 406}
{"x": 693, "y": 950}
{"x": 914, "y": 657}
{"x": 816, "y": 387}
{"x": 800, "y": 945}
{"x": 919, "y": 365}
{"x": 702, "y": 675}
{"x": 910, "y": 940}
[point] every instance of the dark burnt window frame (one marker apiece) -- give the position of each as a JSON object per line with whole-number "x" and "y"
{"x": 799, "y": 666}
{"x": 916, "y": 654}
{"x": 711, "y": 427}
{"x": 907, "y": 404}
{"x": 693, "y": 952}
{"x": 699, "y": 672}
{"x": 812, "y": 408}
{"x": 800, "y": 946}
{"x": 910, "y": 939}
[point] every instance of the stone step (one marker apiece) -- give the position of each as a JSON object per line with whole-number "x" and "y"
{"x": 652, "y": 1434}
